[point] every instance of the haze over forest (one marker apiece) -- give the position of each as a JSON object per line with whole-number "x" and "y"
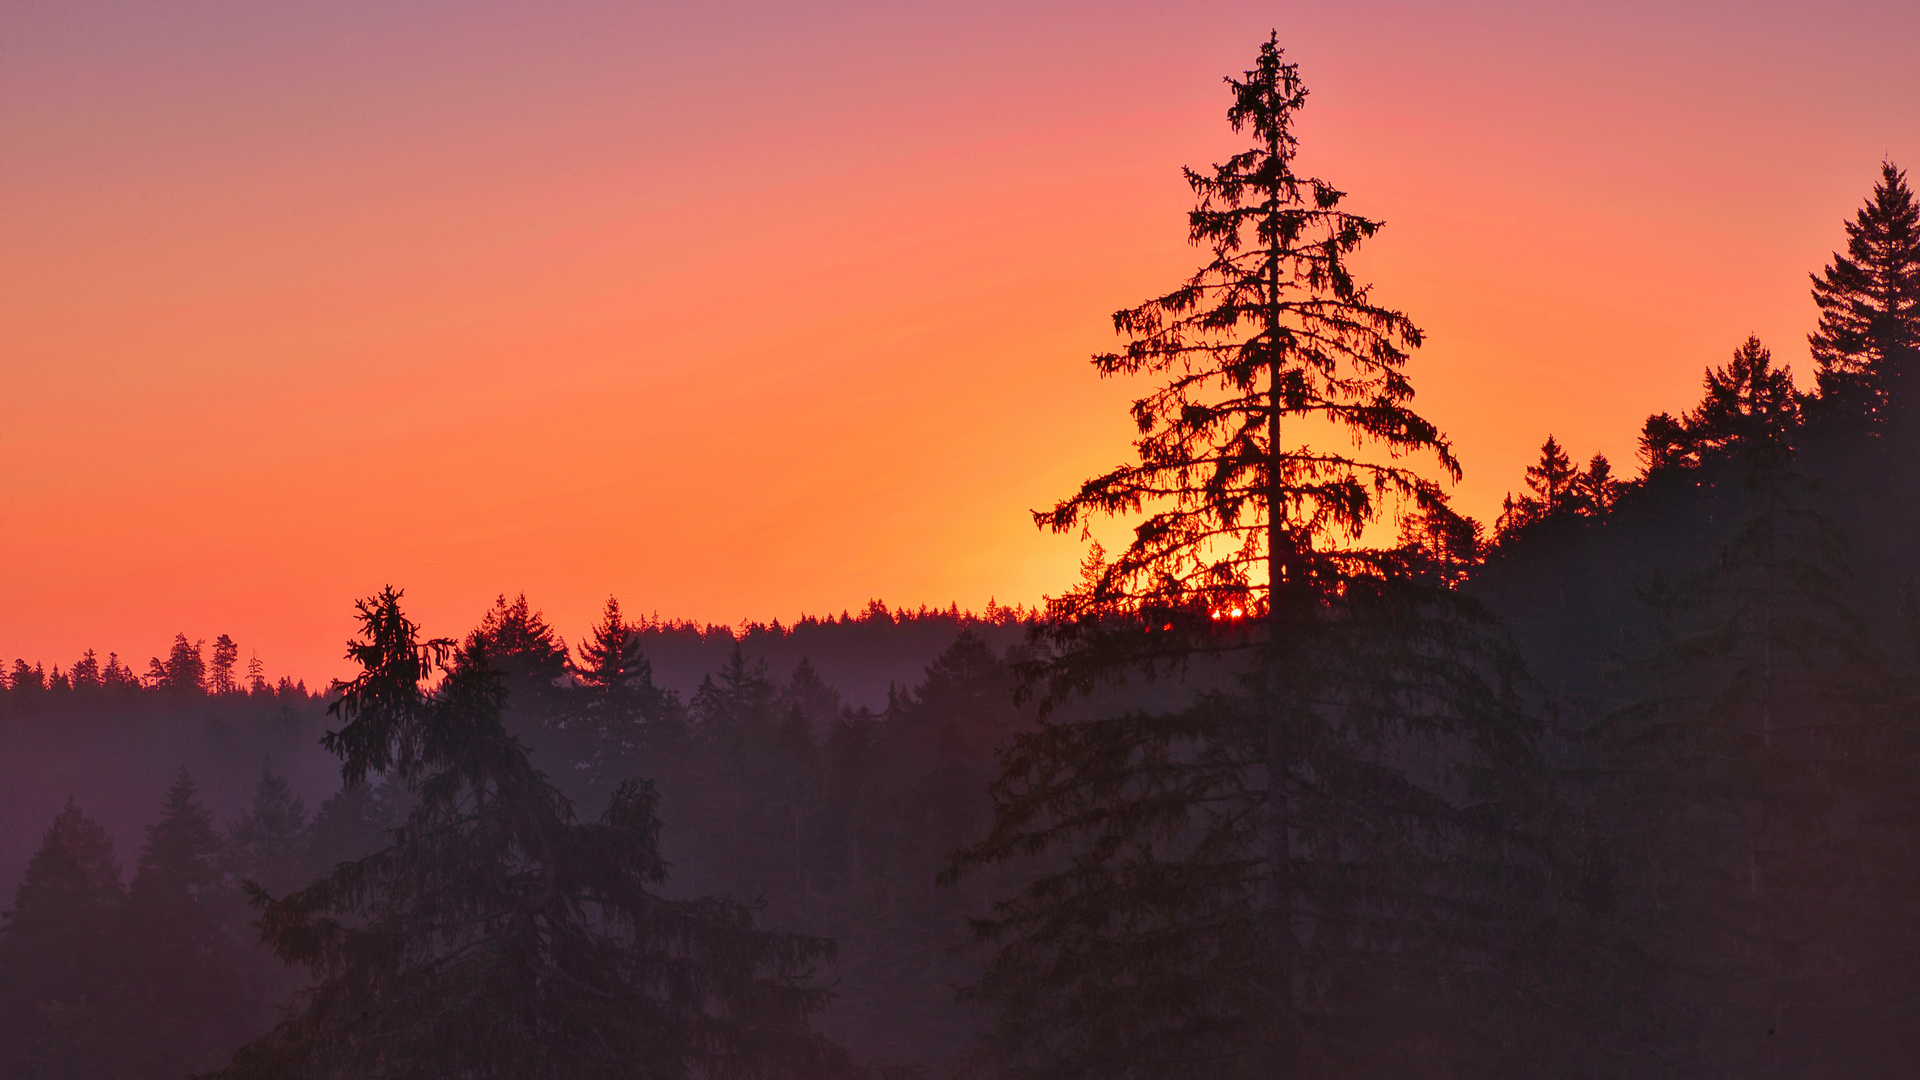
{"x": 1310, "y": 771}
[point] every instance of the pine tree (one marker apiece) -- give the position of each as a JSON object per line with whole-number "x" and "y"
{"x": 353, "y": 822}
{"x": 117, "y": 675}
{"x": 183, "y": 671}
{"x": 220, "y": 672}
{"x": 532, "y": 657}
{"x": 1254, "y": 871}
{"x": 817, "y": 701}
{"x": 1869, "y": 301}
{"x": 498, "y": 937}
{"x": 1663, "y": 445}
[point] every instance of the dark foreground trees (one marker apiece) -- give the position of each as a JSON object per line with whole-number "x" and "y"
{"x": 498, "y": 937}
{"x": 1304, "y": 855}
{"x": 1751, "y": 800}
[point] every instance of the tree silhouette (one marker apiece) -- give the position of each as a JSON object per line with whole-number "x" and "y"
{"x": 621, "y": 713}
{"x": 226, "y": 655}
{"x": 1750, "y": 407}
{"x": 1560, "y": 490}
{"x": 1246, "y": 865}
{"x": 183, "y": 671}
{"x": 1274, "y": 328}
{"x": 496, "y": 936}
{"x": 190, "y": 1006}
{"x": 1869, "y": 301}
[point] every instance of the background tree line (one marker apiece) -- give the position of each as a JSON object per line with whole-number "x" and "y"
{"x": 772, "y": 790}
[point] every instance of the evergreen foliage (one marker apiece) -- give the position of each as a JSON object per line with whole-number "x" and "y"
{"x": 1869, "y": 300}
{"x": 267, "y": 844}
{"x": 1257, "y": 875}
{"x": 1560, "y": 492}
{"x": 179, "y": 911}
{"x": 496, "y": 936}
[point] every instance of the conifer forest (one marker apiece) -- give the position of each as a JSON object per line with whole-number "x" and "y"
{"x": 1312, "y": 776}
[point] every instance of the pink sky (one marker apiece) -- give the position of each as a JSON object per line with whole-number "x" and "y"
{"x": 740, "y": 311}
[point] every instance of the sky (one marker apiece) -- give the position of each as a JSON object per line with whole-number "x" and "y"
{"x": 749, "y": 310}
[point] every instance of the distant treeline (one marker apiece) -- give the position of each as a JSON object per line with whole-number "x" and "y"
{"x": 773, "y": 789}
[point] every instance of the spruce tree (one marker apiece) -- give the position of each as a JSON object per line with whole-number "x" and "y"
{"x": 1552, "y": 479}
{"x": 1293, "y": 865}
{"x": 498, "y": 937}
{"x": 618, "y": 718}
{"x": 1869, "y": 301}
{"x": 1749, "y": 408}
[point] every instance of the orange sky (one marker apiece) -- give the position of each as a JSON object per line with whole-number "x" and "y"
{"x": 744, "y": 310}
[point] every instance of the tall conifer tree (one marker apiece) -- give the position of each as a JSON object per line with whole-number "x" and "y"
{"x": 1253, "y": 872}
{"x": 192, "y": 1004}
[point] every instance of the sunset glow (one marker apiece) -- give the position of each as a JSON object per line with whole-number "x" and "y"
{"x": 748, "y": 310}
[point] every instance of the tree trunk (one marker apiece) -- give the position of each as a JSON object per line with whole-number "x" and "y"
{"x": 1282, "y": 597}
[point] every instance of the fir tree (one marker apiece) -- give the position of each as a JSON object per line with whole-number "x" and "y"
{"x": 1254, "y": 872}
{"x": 85, "y": 673}
{"x": 1869, "y": 301}
{"x": 1551, "y": 479}
{"x": 620, "y": 715}
{"x": 1749, "y": 408}
{"x": 265, "y": 844}
{"x": 191, "y": 1003}
{"x": 806, "y": 691}
{"x": 353, "y": 822}
{"x": 1663, "y": 445}
{"x": 60, "y": 949}
{"x": 1595, "y": 490}
{"x": 496, "y": 936}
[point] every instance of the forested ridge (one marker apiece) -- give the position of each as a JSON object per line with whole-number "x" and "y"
{"x": 1624, "y": 783}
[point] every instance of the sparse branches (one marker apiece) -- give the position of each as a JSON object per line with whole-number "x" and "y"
{"x": 1274, "y": 327}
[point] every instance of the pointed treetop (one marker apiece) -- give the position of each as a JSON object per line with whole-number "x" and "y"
{"x": 1869, "y": 298}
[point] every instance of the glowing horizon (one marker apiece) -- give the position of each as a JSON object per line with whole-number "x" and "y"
{"x": 741, "y": 311}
